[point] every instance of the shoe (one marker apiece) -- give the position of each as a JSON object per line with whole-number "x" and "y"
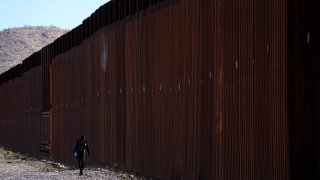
{"x": 81, "y": 173}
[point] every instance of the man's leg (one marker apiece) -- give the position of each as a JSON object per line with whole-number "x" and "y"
{"x": 81, "y": 165}
{"x": 78, "y": 161}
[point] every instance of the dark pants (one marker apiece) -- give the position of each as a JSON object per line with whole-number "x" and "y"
{"x": 80, "y": 161}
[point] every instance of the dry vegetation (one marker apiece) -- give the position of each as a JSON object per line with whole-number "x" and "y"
{"x": 16, "y": 44}
{"x": 9, "y": 155}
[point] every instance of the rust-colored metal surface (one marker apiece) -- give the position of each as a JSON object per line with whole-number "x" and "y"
{"x": 186, "y": 90}
{"x": 303, "y": 44}
{"x": 175, "y": 89}
{"x": 20, "y": 109}
{"x": 255, "y": 123}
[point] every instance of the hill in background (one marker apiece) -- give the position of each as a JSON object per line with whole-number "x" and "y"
{"x": 16, "y": 44}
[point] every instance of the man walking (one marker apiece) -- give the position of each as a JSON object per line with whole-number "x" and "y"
{"x": 79, "y": 151}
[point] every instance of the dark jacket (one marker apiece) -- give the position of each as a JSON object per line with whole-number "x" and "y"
{"x": 80, "y": 147}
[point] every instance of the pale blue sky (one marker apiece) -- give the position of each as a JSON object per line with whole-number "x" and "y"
{"x": 65, "y": 14}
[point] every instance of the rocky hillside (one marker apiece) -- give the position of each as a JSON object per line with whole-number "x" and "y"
{"x": 16, "y": 44}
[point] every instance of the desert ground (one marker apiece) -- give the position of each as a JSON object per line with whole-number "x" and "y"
{"x": 17, "y": 166}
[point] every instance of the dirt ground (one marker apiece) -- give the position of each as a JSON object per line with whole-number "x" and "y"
{"x": 15, "y": 166}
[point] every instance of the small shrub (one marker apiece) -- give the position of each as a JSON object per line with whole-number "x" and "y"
{"x": 9, "y": 155}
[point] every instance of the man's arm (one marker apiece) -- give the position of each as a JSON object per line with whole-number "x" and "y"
{"x": 87, "y": 148}
{"x": 75, "y": 147}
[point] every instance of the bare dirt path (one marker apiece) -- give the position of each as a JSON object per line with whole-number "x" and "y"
{"x": 36, "y": 170}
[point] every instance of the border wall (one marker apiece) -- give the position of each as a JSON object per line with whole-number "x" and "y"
{"x": 175, "y": 89}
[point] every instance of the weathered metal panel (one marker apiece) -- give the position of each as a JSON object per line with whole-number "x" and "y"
{"x": 21, "y": 113}
{"x": 303, "y": 42}
{"x": 189, "y": 90}
{"x": 254, "y": 112}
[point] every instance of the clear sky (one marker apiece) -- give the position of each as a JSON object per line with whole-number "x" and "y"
{"x": 66, "y": 14}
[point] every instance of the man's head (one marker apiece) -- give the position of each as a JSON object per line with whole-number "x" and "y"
{"x": 82, "y": 138}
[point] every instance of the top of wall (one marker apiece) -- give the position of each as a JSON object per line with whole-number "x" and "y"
{"x": 106, "y": 15}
